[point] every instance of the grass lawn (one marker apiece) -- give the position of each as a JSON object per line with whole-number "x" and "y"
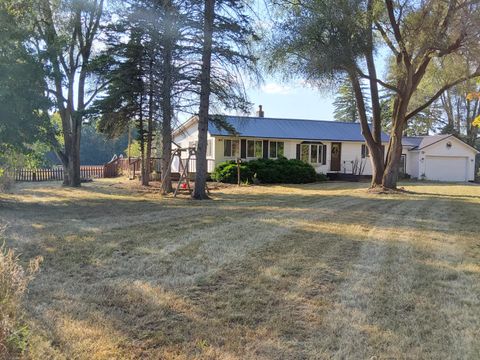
{"x": 280, "y": 272}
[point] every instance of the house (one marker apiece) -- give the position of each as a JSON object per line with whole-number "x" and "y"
{"x": 438, "y": 157}
{"x": 329, "y": 146}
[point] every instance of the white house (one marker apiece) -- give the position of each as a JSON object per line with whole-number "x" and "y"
{"x": 331, "y": 147}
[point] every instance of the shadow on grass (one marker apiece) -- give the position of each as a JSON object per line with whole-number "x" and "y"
{"x": 272, "y": 301}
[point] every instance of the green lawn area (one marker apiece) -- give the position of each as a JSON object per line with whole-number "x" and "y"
{"x": 280, "y": 272}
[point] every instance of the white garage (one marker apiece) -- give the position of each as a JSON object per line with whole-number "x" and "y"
{"x": 446, "y": 168}
{"x": 439, "y": 158}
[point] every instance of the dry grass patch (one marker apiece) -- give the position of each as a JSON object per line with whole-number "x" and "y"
{"x": 279, "y": 272}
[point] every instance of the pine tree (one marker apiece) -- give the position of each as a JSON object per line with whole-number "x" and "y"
{"x": 345, "y": 104}
{"x": 227, "y": 37}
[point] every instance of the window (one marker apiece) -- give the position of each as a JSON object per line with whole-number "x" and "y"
{"x": 209, "y": 148}
{"x": 235, "y": 148}
{"x": 231, "y": 148}
{"x": 250, "y": 148}
{"x": 276, "y": 149}
{"x": 402, "y": 166}
{"x": 258, "y": 149}
{"x": 304, "y": 155}
{"x": 365, "y": 151}
{"x": 313, "y": 153}
{"x": 254, "y": 148}
{"x": 227, "y": 148}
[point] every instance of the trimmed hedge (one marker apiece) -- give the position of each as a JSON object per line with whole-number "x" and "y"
{"x": 266, "y": 171}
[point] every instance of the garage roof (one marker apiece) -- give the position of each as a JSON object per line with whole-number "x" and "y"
{"x": 279, "y": 128}
{"x": 421, "y": 142}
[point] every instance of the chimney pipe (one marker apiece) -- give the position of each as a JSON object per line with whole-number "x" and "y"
{"x": 260, "y": 112}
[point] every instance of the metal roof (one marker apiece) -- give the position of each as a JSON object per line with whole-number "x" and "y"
{"x": 261, "y": 127}
{"x": 420, "y": 142}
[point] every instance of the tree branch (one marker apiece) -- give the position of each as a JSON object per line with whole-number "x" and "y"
{"x": 385, "y": 37}
{"x": 440, "y": 92}
{"x": 381, "y": 82}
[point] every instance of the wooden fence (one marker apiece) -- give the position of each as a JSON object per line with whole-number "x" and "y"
{"x": 86, "y": 172}
{"x": 130, "y": 167}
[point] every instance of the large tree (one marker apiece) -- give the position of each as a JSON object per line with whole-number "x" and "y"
{"x": 205, "y": 90}
{"x": 131, "y": 74}
{"x": 322, "y": 39}
{"x": 63, "y": 34}
{"x": 228, "y": 36}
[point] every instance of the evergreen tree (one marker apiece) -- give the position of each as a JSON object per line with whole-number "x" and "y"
{"x": 345, "y": 104}
{"x": 226, "y": 49}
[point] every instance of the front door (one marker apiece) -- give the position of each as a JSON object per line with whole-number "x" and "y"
{"x": 336, "y": 155}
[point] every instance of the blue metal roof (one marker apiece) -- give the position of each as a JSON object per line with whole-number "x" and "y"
{"x": 291, "y": 129}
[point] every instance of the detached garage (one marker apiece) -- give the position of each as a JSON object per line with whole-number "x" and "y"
{"x": 439, "y": 158}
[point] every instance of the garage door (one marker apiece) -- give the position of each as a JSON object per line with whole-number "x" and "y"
{"x": 446, "y": 168}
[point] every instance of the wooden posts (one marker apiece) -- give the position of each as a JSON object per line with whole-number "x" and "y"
{"x": 239, "y": 178}
{"x": 183, "y": 169}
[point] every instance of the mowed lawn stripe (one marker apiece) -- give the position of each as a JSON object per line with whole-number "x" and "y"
{"x": 278, "y": 272}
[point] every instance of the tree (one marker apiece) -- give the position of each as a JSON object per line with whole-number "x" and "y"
{"x": 341, "y": 38}
{"x": 226, "y": 48}
{"x": 475, "y": 123}
{"x": 23, "y": 102}
{"x": 63, "y": 34}
{"x": 130, "y": 94}
{"x": 345, "y": 104}
{"x": 205, "y": 83}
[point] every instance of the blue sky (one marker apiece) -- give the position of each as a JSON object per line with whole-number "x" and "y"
{"x": 292, "y": 100}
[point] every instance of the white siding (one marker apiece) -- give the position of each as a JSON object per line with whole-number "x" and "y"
{"x": 350, "y": 152}
{"x": 189, "y": 135}
{"x": 462, "y": 152}
{"x": 412, "y": 163}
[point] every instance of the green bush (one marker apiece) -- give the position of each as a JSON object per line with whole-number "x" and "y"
{"x": 6, "y": 181}
{"x": 266, "y": 171}
{"x": 322, "y": 177}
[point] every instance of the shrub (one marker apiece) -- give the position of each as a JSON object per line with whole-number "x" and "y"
{"x": 227, "y": 172}
{"x": 266, "y": 171}
{"x": 322, "y": 177}
{"x": 13, "y": 284}
{"x": 6, "y": 181}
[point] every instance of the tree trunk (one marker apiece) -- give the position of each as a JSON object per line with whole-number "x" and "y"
{"x": 146, "y": 169}
{"x": 71, "y": 158}
{"x": 378, "y": 165}
{"x": 394, "y": 152}
{"x": 166, "y": 105}
{"x": 201, "y": 170}
{"x": 390, "y": 175}
{"x": 376, "y": 152}
{"x": 166, "y": 154}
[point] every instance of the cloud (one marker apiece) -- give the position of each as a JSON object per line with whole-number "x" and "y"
{"x": 274, "y": 88}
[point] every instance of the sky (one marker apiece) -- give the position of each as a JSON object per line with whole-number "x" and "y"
{"x": 292, "y": 100}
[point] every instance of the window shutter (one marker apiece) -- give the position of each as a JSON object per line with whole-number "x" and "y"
{"x": 363, "y": 152}
{"x": 265, "y": 149}
{"x": 298, "y": 151}
{"x": 243, "y": 149}
{"x": 324, "y": 155}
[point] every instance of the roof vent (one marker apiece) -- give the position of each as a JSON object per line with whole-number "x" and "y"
{"x": 260, "y": 112}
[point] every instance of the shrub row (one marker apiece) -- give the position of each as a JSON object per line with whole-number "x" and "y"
{"x": 267, "y": 171}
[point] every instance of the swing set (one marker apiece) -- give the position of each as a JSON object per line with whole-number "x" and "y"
{"x": 183, "y": 184}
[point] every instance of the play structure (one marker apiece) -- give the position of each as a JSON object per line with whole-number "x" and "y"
{"x": 183, "y": 163}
